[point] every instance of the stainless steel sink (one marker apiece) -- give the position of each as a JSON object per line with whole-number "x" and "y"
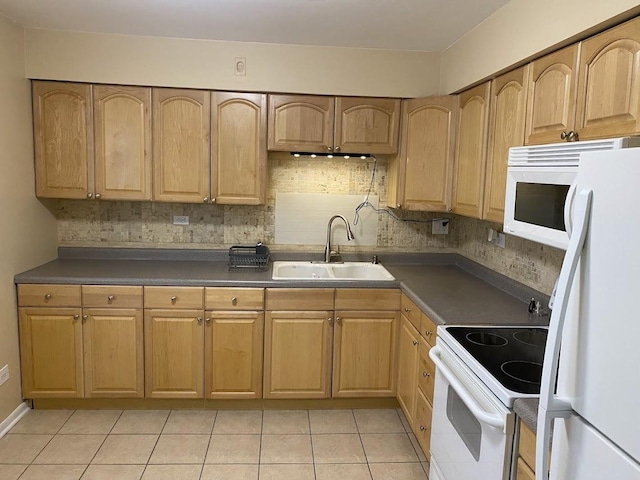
{"x": 330, "y": 271}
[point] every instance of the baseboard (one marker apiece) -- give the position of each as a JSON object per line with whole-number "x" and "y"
{"x": 13, "y": 418}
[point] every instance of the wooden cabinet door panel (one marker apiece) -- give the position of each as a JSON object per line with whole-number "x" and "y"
{"x": 364, "y": 351}
{"x": 181, "y": 149}
{"x": 551, "y": 96}
{"x": 524, "y": 472}
{"x": 301, "y": 123}
{"x": 424, "y": 414}
{"x": 113, "y": 353}
{"x": 468, "y": 190}
{"x": 51, "y": 352}
{"x": 609, "y": 85}
{"x": 174, "y": 353}
{"x": 233, "y": 354}
{"x": 367, "y": 125}
{"x": 123, "y": 142}
{"x": 408, "y": 346}
{"x": 63, "y": 137}
{"x": 297, "y": 357}
{"x": 506, "y": 130}
{"x": 239, "y": 148}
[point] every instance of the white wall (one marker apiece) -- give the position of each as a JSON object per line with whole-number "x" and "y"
{"x": 124, "y": 59}
{"x": 27, "y": 230}
{"x": 519, "y": 30}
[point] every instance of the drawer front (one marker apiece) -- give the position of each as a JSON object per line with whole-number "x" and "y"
{"x": 234, "y": 298}
{"x": 423, "y": 423}
{"x": 173, "y": 297}
{"x": 426, "y": 371}
{"x": 106, "y": 296}
{"x": 49, "y": 295}
{"x": 411, "y": 311}
{"x": 428, "y": 329}
{"x": 299, "y": 298}
{"x": 367, "y": 299}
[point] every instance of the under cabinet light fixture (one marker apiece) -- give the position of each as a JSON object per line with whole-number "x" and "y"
{"x": 362, "y": 156}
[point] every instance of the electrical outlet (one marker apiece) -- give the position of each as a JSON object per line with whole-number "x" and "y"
{"x": 440, "y": 227}
{"x": 181, "y": 219}
{"x": 4, "y": 374}
{"x": 497, "y": 238}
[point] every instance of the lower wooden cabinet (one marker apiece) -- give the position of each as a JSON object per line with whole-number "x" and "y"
{"x": 422, "y": 427}
{"x": 526, "y": 453}
{"x": 409, "y": 354}
{"x": 523, "y": 471}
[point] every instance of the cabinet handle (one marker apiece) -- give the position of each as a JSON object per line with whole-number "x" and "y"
{"x": 398, "y": 205}
{"x": 407, "y": 309}
{"x": 337, "y": 149}
{"x": 207, "y": 320}
{"x": 234, "y": 301}
{"x": 174, "y": 299}
{"x": 572, "y": 136}
{"x": 85, "y": 318}
{"x": 415, "y": 343}
{"x": 563, "y": 135}
{"x": 422, "y": 428}
{"x": 47, "y": 297}
{"x": 425, "y": 374}
{"x": 205, "y": 199}
{"x": 428, "y": 333}
{"x": 98, "y": 196}
{"x": 76, "y": 316}
{"x": 199, "y": 319}
{"x": 338, "y": 320}
{"x": 89, "y": 195}
{"x": 329, "y": 149}
{"x": 329, "y": 320}
{"x": 110, "y": 299}
{"x": 213, "y": 199}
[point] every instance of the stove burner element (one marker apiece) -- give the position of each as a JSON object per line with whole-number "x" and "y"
{"x": 487, "y": 339}
{"x": 530, "y": 372}
{"x": 537, "y": 338}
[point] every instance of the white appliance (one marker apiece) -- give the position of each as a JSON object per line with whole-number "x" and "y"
{"x": 538, "y": 180}
{"x": 596, "y": 325}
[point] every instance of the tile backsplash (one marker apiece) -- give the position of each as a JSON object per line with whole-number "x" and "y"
{"x": 149, "y": 225}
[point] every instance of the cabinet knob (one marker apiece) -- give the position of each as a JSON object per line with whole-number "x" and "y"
{"x": 407, "y": 309}
{"x": 205, "y": 199}
{"x": 329, "y": 320}
{"x": 110, "y": 299}
{"x": 572, "y": 136}
{"x": 85, "y": 318}
{"x": 337, "y": 149}
{"x": 422, "y": 428}
{"x": 330, "y": 149}
{"x": 98, "y": 196}
{"x": 47, "y": 297}
{"x": 425, "y": 374}
{"x": 207, "y": 320}
{"x": 76, "y": 316}
{"x": 234, "y": 301}
{"x": 213, "y": 199}
{"x": 199, "y": 320}
{"x": 415, "y": 343}
{"x": 89, "y": 195}
{"x": 398, "y": 205}
{"x": 174, "y": 299}
{"x": 428, "y": 333}
{"x": 338, "y": 320}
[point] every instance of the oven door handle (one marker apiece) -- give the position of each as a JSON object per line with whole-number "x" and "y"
{"x": 495, "y": 420}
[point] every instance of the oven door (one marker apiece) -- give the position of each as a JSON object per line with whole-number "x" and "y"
{"x": 472, "y": 431}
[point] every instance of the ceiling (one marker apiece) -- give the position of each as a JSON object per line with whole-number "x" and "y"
{"x": 422, "y": 25}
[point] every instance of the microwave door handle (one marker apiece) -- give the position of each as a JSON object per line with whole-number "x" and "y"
{"x": 552, "y": 406}
{"x": 492, "y": 419}
{"x": 568, "y": 208}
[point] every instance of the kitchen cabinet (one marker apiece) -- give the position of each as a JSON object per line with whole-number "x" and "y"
{"x": 307, "y": 123}
{"x": 238, "y": 148}
{"x": 181, "y": 145}
{"x": 422, "y": 428}
{"x": 471, "y": 148}
{"x": 408, "y": 347}
{"x": 526, "y": 453}
{"x": 122, "y": 117}
{"x": 506, "y": 129}
{"x": 551, "y": 96}
{"x": 420, "y": 176}
{"x": 609, "y": 83}
{"x": 63, "y": 139}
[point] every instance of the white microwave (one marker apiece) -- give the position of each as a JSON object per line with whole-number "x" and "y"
{"x": 539, "y": 180}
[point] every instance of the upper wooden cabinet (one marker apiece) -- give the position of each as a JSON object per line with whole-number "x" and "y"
{"x": 506, "y": 130}
{"x": 609, "y": 83}
{"x": 420, "y": 176}
{"x": 471, "y": 148}
{"x": 122, "y": 142}
{"x": 63, "y": 137}
{"x": 181, "y": 147}
{"x": 551, "y": 97}
{"x": 320, "y": 124}
{"x": 239, "y": 148}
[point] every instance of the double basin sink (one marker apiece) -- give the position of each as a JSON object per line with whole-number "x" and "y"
{"x": 318, "y": 271}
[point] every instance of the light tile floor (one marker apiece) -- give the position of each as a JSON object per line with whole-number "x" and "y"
{"x": 210, "y": 445}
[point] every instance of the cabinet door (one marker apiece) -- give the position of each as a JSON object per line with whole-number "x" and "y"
{"x": 367, "y": 125}
{"x": 408, "y": 346}
{"x": 113, "y": 353}
{"x": 524, "y": 472}
{"x": 239, "y": 148}
{"x": 123, "y": 142}
{"x": 551, "y": 97}
{"x": 233, "y": 354}
{"x": 181, "y": 148}
{"x": 609, "y": 84}
{"x": 51, "y": 352}
{"x": 63, "y": 137}
{"x": 471, "y": 147}
{"x": 424, "y": 414}
{"x": 302, "y": 123}
{"x": 297, "y": 354}
{"x": 364, "y": 350}
{"x": 423, "y": 170}
{"x": 506, "y": 130}
{"x": 174, "y": 353}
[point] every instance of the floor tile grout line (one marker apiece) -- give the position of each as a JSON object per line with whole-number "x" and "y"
{"x": 313, "y": 455}
{"x": 362, "y": 443}
{"x": 155, "y": 444}
{"x": 204, "y": 460}
{"x": 103, "y": 441}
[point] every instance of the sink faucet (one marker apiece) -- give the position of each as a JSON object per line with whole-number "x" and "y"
{"x": 329, "y": 254}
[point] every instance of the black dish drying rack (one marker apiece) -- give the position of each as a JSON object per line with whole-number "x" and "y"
{"x": 249, "y": 257}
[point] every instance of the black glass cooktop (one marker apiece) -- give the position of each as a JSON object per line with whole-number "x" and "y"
{"x": 512, "y": 355}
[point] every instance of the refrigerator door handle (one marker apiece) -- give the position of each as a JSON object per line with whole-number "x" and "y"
{"x": 552, "y": 406}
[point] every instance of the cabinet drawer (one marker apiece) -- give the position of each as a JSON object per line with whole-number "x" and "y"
{"x": 173, "y": 297}
{"x": 367, "y": 299}
{"x": 299, "y": 299}
{"x": 527, "y": 445}
{"x": 423, "y": 423}
{"x": 428, "y": 329}
{"x": 234, "y": 298}
{"x": 49, "y": 295}
{"x": 111, "y": 296}
{"x": 410, "y": 310}
{"x": 426, "y": 371}
{"x": 524, "y": 472}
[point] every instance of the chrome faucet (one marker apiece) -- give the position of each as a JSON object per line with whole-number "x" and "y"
{"x": 329, "y": 254}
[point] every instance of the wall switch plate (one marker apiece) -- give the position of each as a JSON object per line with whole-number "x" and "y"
{"x": 440, "y": 227}
{"x": 4, "y": 374}
{"x": 497, "y": 238}
{"x": 240, "y": 66}
{"x": 181, "y": 219}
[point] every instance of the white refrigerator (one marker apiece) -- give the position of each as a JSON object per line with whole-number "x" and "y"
{"x": 591, "y": 376}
